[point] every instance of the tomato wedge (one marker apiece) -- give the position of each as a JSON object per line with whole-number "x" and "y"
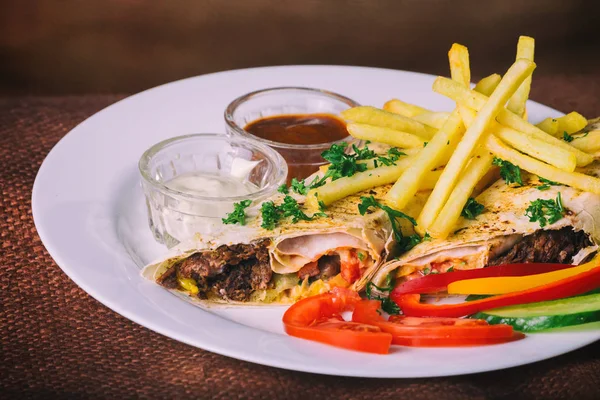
{"x": 572, "y": 286}
{"x": 434, "y": 283}
{"x": 433, "y": 332}
{"x": 318, "y": 318}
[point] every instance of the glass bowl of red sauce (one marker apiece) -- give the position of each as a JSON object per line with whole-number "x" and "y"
{"x": 300, "y": 123}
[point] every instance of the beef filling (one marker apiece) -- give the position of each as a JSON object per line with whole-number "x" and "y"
{"x": 558, "y": 246}
{"x": 326, "y": 267}
{"x": 231, "y": 272}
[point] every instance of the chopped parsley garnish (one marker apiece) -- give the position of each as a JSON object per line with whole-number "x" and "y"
{"x": 322, "y": 206}
{"x": 405, "y": 242}
{"x": 387, "y": 304}
{"x": 546, "y": 183}
{"x": 426, "y": 271}
{"x": 567, "y": 137}
{"x": 299, "y": 186}
{"x": 363, "y": 154}
{"x": 283, "y": 189}
{"x": 425, "y": 144}
{"x": 360, "y": 256}
{"x": 451, "y": 269}
{"x": 342, "y": 164}
{"x": 238, "y": 215}
{"x": 508, "y": 171}
{"x": 545, "y": 211}
{"x": 393, "y": 154}
{"x": 472, "y": 209}
{"x": 427, "y": 237}
{"x": 272, "y": 214}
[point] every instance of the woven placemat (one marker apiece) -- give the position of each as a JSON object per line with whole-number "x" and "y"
{"x": 57, "y": 341}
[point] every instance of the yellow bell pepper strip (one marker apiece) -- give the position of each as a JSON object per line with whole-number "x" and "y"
{"x": 509, "y": 284}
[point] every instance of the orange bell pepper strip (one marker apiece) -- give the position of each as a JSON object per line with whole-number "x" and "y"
{"x": 571, "y": 286}
{"x": 506, "y": 284}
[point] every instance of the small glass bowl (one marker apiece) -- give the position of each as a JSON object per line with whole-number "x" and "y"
{"x": 176, "y": 214}
{"x": 302, "y": 159}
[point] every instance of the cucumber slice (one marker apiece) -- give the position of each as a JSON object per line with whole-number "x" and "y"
{"x": 536, "y": 317}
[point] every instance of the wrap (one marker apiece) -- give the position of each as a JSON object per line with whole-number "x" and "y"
{"x": 504, "y": 234}
{"x": 251, "y": 265}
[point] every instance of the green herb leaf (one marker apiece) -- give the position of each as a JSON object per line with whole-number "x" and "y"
{"x": 567, "y": 137}
{"x": 322, "y": 206}
{"x": 299, "y": 186}
{"x": 427, "y": 237}
{"x": 425, "y": 144}
{"x": 387, "y": 304}
{"x": 283, "y": 189}
{"x": 546, "y": 184}
{"x": 545, "y": 211}
{"x": 393, "y": 154}
{"x": 508, "y": 171}
{"x": 472, "y": 209}
{"x": 405, "y": 243}
{"x": 270, "y": 215}
{"x": 238, "y": 215}
{"x": 363, "y": 154}
{"x": 451, "y": 269}
{"x": 426, "y": 271}
{"x": 360, "y": 256}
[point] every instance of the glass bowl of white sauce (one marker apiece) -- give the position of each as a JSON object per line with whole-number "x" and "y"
{"x": 191, "y": 182}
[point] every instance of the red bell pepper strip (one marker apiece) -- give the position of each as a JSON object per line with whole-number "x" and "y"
{"x": 434, "y": 283}
{"x": 572, "y": 286}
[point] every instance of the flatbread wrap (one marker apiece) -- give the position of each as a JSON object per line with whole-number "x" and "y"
{"x": 504, "y": 233}
{"x": 251, "y": 265}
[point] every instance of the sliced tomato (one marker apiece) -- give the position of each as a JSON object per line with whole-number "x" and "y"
{"x": 435, "y": 332}
{"x": 318, "y": 318}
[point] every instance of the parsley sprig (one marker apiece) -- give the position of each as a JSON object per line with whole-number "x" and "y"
{"x": 545, "y": 211}
{"x": 404, "y": 242}
{"x": 510, "y": 172}
{"x": 387, "y": 304}
{"x": 566, "y": 137}
{"x": 546, "y": 183}
{"x": 271, "y": 214}
{"x": 472, "y": 209}
{"x": 238, "y": 215}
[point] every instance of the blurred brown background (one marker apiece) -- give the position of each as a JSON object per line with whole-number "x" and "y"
{"x": 100, "y": 46}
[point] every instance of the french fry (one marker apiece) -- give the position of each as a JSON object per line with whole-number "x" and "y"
{"x": 433, "y": 119}
{"x": 571, "y": 123}
{"x": 459, "y": 64}
{"x": 488, "y": 84}
{"x": 549, "y": 125}
{"x": 525, "y": 50}
{"x": 588, "y": 141}
{"x": 340, "y": 188}
{"x": 384, "y": 135}
{"x": 477, "y": 168}
{"x": 402, "y": 108}
{"x": 511, "y": 81}
{"x": 427, "y": 159}
{"x": 476, "y": 101}
{"x": 374, "y": 116}
{"x": 574, "y": 179}
{"x": 530, "y": 145}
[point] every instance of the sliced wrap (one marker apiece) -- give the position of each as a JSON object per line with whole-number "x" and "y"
{"x": 504, "y": 234}
{"x": 251, "y": 265}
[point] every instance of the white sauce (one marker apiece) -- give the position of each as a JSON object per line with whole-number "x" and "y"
{"x": 197, "y": 183}
{"x": 184, "y": 218}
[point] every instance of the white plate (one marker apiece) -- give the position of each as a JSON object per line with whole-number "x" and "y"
{"x": 90, "y": 214}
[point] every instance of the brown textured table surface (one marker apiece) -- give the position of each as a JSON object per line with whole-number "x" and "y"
{"x": 57, "y": 341}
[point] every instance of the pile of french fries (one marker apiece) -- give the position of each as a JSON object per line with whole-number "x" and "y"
{"x": 451, "y": 154}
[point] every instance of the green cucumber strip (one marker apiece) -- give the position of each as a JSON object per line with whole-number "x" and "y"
{"x": 568, "y": 306}
{"x": 541, "y": 323}
{"x": 590, "y": 326}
